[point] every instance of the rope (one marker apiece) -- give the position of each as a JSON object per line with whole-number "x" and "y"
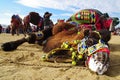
{"x": 33, "y": 65}
{"x": 43, "y": 65}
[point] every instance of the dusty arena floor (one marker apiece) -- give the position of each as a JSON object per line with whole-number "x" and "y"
{"x": 25, "y": 64}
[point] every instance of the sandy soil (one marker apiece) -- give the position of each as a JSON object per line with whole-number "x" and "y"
{"x": 25, "y": 64}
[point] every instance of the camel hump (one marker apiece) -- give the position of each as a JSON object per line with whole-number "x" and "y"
{"x": 34, "y": 18}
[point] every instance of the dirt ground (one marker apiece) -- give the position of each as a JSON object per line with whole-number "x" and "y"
{"x": 25, "y": 64}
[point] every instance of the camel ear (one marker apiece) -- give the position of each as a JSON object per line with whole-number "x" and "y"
{"x": 86, "y": 32}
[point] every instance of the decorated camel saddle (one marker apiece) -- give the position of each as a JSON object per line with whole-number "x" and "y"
{"x": 94, "y": 20}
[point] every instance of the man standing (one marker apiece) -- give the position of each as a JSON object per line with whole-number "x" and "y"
{"x": 47, "y": 22}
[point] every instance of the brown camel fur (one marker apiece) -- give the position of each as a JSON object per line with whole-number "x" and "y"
{"x": 60, "y": 26}
{"x": 63, "y": 32}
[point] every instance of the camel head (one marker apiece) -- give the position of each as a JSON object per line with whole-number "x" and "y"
{"x": 97, "y": 52}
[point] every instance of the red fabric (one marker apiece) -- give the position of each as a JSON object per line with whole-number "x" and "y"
{"x": 88, "y": 26}
{"x": 108, "y": 23}
{"x": 98, "y": 26}
{"x": 104, "y": 50}
{"x": 103, "y": 23}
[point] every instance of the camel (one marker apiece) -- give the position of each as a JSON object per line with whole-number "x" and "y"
{"x": 16, "y": 25}
{"x": 94, "y": 20}
{"x": 36, "y": 19}
{"x": 66, "y": 41}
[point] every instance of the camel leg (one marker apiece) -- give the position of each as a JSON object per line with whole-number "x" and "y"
{"x": 17, "y": 31}
{"x": 12, "y": 31}
{"x": 12, "y": 45}
{"x": 31, "y": 39}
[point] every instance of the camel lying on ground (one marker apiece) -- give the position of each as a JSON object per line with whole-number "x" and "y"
{"x": 66, "y": 41}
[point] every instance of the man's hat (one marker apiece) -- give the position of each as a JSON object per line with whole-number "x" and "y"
{"x": 47, "y": 13}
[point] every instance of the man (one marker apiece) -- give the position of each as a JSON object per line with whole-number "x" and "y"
{"x": 47, "y": 22}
